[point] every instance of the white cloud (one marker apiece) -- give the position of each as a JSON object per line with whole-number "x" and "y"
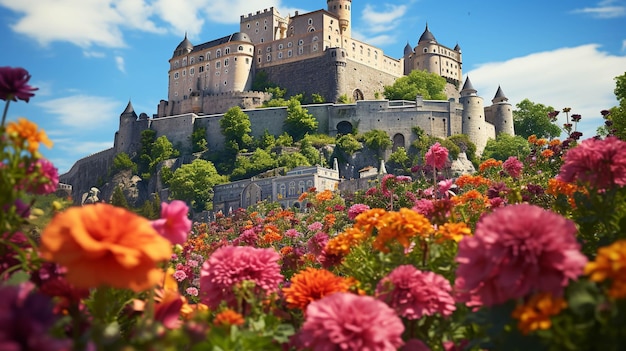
{"x": 379, "y": 21}
{"x": 83, "y": 112}
{"x": 119, "y": 63}
{"x": 82, "y": 23}
{"x": 604, "y": 9}
{"x": 579, "y": 77}
{"x": 624, "y": 45}
{"x": 95, "y": 54}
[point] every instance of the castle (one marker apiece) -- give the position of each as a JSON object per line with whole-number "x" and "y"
{"x": 309, "y": 53}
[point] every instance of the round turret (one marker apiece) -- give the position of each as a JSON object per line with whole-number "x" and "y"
{"x": 408, "y": 50}
{"x": 473, "y": 116}
{"x": 502, "y": 113}
{"x": 342, "y": 9}
{"x": 184, "y": 47}
{"x": 427, "y": 36}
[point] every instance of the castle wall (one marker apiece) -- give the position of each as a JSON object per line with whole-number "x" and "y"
{"x": 178, "y": 129}
{"x": 501, "y": 116}
{"x": 88, "y": 172}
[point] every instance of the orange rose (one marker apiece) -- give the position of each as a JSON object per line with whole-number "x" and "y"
{"x": 102, "y": 244}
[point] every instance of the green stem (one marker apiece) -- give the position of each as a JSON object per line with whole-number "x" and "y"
{"x": 6, "y": 109}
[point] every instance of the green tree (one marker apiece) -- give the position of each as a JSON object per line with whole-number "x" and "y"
{"x": 266, "y": 141}
{"x": 377, "y": 140}
{"x": 464, "y": 144}
{"x": 246, "y": 167}
{"x": 299, "y": 121}
{"x": 429, "y": 85}
{"x": 399, "y": 160}
{"x": 343, "y": 99}
{"x": 235, "y": 125}
{"x": 310, "y": 152}
{"x": 198, "y": 140}
{"x": 123, "y": 162}
{"x": 261, "y": 82}
{"x": 162, "y": 149}
{"x": 293, "y": 160}
{"x": 118, "y": 198}
{"x": 617, "y": 114}
{"x": 284, "y": 140}
{"x": 505, "y": 145}
{"x": 317, "y": 98}
{"x": 194, "y": 182}
{"x": 530, "y": 118}
{"x": 348, "y": 144}
{"x": 148, "y": 137}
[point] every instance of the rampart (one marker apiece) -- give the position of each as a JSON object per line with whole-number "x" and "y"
{"x": 88, "y": 172}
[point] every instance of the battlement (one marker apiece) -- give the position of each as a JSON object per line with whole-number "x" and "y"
{"x": 250, "y": 16}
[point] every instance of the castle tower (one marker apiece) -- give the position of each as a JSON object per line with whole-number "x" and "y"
{"x": 343, "y": 10}
{"x": 123, "y": 137}
{"x": 472, "y": 118}
{"x": 433, "y": 57}
{"x": 502, "y": 113}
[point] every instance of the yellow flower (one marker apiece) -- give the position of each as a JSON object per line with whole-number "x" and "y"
{"x": 400, "y": 227}
{"x": 453, "y": 231}
{"x": 24, "y": 131}
{"x": 535, "y": 313}
{"x": 610, "y": 263}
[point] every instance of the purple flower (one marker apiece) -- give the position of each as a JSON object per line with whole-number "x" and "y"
{"x": 576, "y": 117}
{"x": 13, "y": 84}
{"x": 513, "y": 167}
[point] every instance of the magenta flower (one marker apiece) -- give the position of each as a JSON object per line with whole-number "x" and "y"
{"x": 180, "y": 275}
{"x": 26, "y": 319}
{"x": 13, "y": 84}
{"x": 315, "y": 226}
{"x": 174, "y": 224}
{"x": 517, "y": 250}
{"x": 436, "y": 156}
{"x": 317, "y": 243}
{"x": 193, "y": 291}
{"x": 414, "y": 294}
{"x": 344, "y": 321}
{"x": 424, "y": 207}
{"x": 292, "y": 233}
{"x": 598, "y": 163}
{"x": 46, "y": 178}
{"x": 513, "y": 167}
{"x": 356, "y": 209}
{"x": 229, "y": 266}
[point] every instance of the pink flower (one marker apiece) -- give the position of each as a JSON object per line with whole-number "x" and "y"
{"x": 229, "y": 266}
{"x": 180, "y": 275}
{"x": 192, "y": 263}
{"x": 513, "y": 167}
{"x": 344, "y": 321}
{"x": 356, "y": 209}
{"x": 292, "y": 233}
{"x": 49, "y": 178}
{"x": 599, "y": 163}
{"x": 13, "y": 84}
{"x": 436, "y": 156}
{"x": 173, "y": 224}
{"x": 424, "y": 207}
{"x": 317, "y": 243}
{"x": 193, "y": 291}
{"x": 315, "y": 226}
{"x": 414, "y": 294}
{"x": 415, "y": 345}
{"x": 517, "y": 250}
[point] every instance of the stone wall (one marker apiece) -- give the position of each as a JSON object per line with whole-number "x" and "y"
{"x": 88, "y": 172}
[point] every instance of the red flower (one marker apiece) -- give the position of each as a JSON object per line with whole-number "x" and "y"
{"x": 436, "y": 156}
{"x": 13, "y": 84}
{"x": 516, "y": 251}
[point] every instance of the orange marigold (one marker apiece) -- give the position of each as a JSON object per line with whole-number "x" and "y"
{"x": 453, "y": 231}
{"x": 26, "y": 134}
{"x": 532, "y": 139}
{"x": 535, "y": 313}
{"x": 489, "y": 163}
{"x": 341, "y": 244}
{"x": 227, "y": 318}
{"x": 475, "y": 181}
{"x": 554, "y": 142}
{"x": 311, "y": 285}
{"x": 400, "y": 227}
{"x": 329, "y": 220}
{"x": 303, "y": 196}
{"x": 610, "y": 263}
{"x": 367, "y": 220}
{"x": 547, "y": 153}
{"x": 541, "y": 142}
{"x": 324, "y": 195}
{"x": 102, "y": 244}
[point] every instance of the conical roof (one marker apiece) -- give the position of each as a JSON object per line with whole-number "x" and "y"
{"x": 129, "y": 111}
{"x": 184, "y": 47}
{"x": 457, "y": 47}
{"x": 408, "y": 49}
{"x": 427, "y": 35}
{"x": 499, "y": 97}
{"x": 468, "y": 85}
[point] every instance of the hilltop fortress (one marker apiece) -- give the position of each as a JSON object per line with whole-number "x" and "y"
{"x": 309, "y": 53}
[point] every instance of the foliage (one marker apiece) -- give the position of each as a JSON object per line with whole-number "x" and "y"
{"x": 348, "y": 144}
{"x": 428, "y": 85}
{"x": 123, "y": 162}
{"x": 266, "y": 141}
{"x": 153, "y": 151}
{"x": 465, "y": 145}
{"x": 118, "y": 198}
{"x": 259, "y": 161}
{"x": 399, "y": 160}
{"x": 198, "y": 140}
{"x": 193, "y": 183}
{"x": 148, "y": 137}
{"x": 319, "y": 140}
{"x": 505, "y": 145}
{"x": 532, "y": 119}
{"x": 615, "y": 117}
{"x": 261, "y": 82}
{"x": 235, "y": 126}
{"x": 377, "y": 140}
{"x": 284, "y": 140}
{"x": 317, "y": 98}
{"x": 162, "y": 149}
{"x": 292, "y": 160}
{"x": 312, "y": 154}
{"x": 299, "y": 121}
{"x": 343, "y": 99}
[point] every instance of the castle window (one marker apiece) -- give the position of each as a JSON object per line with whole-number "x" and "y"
{"x": 269, "y": 58}
{"x": 225, "y": 83}
{"x": 226, "y": 51}
{"x": 262, "y": 40}
{"x": 176, "y": 75}
{"x": 310, "y": 21}
{"x": 200, "y": 58}
{"x": 225, "y": 62}
{"x": 280, "y": 46}
{"x": 425, "y": 50}
{"x": 235, "y": 59}
{"x": 240, "y": 48}
{"x": 259, "y": 51}
{"x": 265, "y": 28}
{"x": 268, "y": 49}
{"x": 184, "y": 73}
{"x": 191, "y": 60}
{"x": 218, "y": 64}
{"x": 218, "y": 53}
{"x": 315, "y": 38}
{"x": 280, "y": 55}
{"x": 301, "y": 187}
{"x": 200, "y": 69}
{"x": 289, "y": 44}
{"x": 247, "y": 60}
{"x": 281, "y": 190}
{"x": 300, "y": 50}
{"x": 185, "y": 61}
{"x": 292, "y": 188}
{"x": 208, "y": 56}
{"x": 192, "y": 71}
{"x": 300, "y": 42}
{"x": 257, "y": 24}
{"x": 315, "y": 47}
{"x": 259, "y": 59}
{"x": 289, "y": 53}
{"x": 248, "y": 25}
{"x": 312, "y": 29}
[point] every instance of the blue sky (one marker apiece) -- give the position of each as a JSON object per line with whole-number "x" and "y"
{"x": 89, "y": 58}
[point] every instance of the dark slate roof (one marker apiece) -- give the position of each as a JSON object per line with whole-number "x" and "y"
{"x": 427, "y": 35}
{"x": 407, "y": 49}
{"x": 468, "y": 85}
{"x": 500, "y": 93}
{"x": 457, "y": 47}
{"x": 130, "y": 110}
{"x": 238, "y": 36}
{"x": 185, "y": 44}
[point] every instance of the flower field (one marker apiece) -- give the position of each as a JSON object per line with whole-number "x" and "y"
{"x": 525, "y": 254}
